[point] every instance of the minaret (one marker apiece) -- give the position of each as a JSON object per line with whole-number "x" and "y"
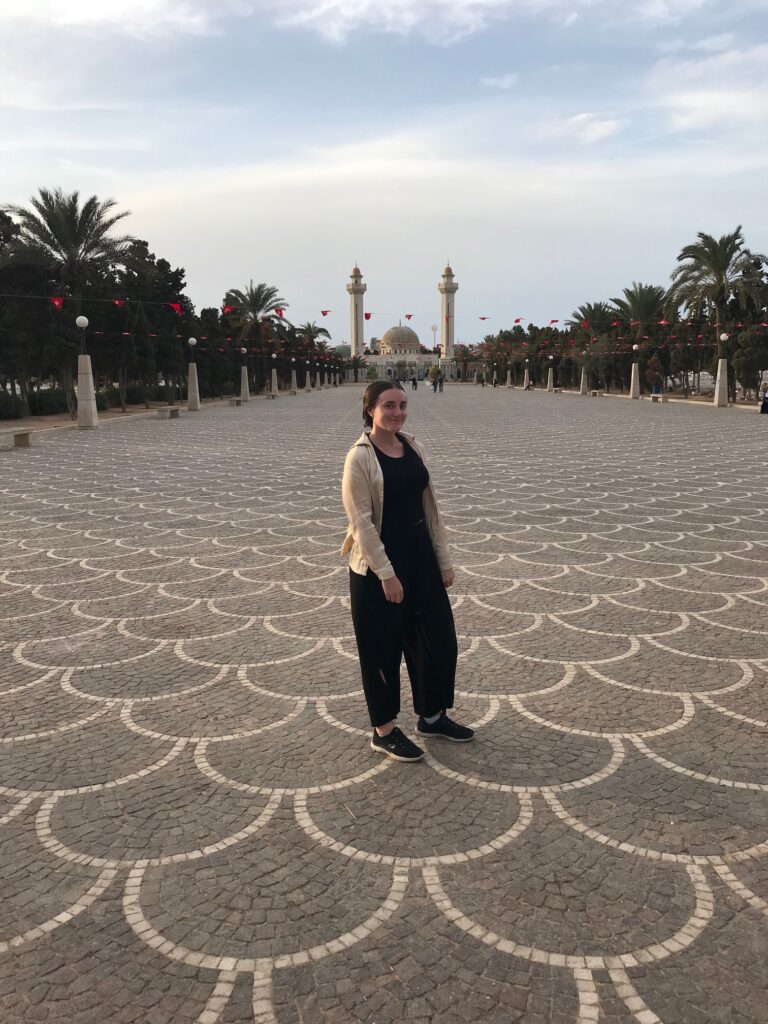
{"x": 447, "y": 289}
{"x": 356, "y": 290}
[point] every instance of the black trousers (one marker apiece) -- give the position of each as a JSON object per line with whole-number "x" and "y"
{"x": 420, "y": 627}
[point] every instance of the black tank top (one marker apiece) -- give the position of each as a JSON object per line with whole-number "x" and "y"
{"x": 405, "y": 480}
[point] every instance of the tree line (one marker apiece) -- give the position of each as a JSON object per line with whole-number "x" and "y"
{"x": 62, "y": 256}
{"x": 714, "y": 307}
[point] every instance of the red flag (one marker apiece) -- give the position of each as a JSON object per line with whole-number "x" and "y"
{"x": 57, "y": 300}
{"x": 325, "y": 312}
{"x": 227, "y": 309}
{"x": 585, "y": 323}
{"x": 118, "y": 302}
{"x": 663, "y": 323}
{"x": 176, "y": 307}
{"x": 553, "y": 322}
{"x": 482, "y": 318}
{"x": 126, "y": 334}
{"x": 615, "y": 323}
{"x": 409, "y": 316}
{"x": 519, "y": 320}
{"x": 368, "y": 315}
{"x": 279, "y": 310}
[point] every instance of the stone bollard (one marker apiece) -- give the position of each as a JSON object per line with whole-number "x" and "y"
{"x": 721, "y": 385}
{"x": 193, "y": 391}
{"x": 245, "y": 392}
{"x": 634, "y": 386}
{"x": 87, "y": 413}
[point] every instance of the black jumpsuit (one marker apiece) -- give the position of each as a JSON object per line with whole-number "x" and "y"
{"x": 421, "y": 626}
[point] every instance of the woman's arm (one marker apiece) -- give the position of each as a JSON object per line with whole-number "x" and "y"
{"x": 356, "y": 496}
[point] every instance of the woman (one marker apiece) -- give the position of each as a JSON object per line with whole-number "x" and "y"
{"x": 399, "y": 571}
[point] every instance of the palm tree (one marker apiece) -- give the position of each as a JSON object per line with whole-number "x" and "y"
{"x": 70, "y": 240}
{"x": 597, "y": 316}
{"x": 310, "y": 333}
{"x": 250, "y": 304}
{"x": 643, "y": 305}
{"x": 712, "y": 272}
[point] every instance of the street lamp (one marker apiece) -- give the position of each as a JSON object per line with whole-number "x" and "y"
{"x": 635, "y": 349}
{"x": 193, "y": 390}
{"x": 192, "y": 342}
{"x": 82, "y": 323}
{"x": 723, "y": 338}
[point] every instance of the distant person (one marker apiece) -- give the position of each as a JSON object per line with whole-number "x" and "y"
{"x": 440, "y": 383}
{"x": 529, "y": 386}
{"x": 434, "y": 385}
{"x": 414, "y": 383}
{"x": 764, "y": 403}
{"x": 399, "y": 572}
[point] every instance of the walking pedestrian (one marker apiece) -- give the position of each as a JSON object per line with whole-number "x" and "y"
{"x": 764, "y": 403}
{"x": 399, "y": 572}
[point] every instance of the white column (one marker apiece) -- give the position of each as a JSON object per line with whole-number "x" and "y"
{"x": 584, "y": 389}
{"x": 87, "y": 413}
{"x": 245, "y": 393}
{"x": 509, "y": 377}
{"x": 527, "y": 378}
{"x": 294, "y": 387}
{"x": 193, "y": 391}
{"x": 550, "y": 379}
{"x": 273, "y": 392}
{"x": 356, "y": 290}
{"x": 721, "y": 384}
{"x": 634, "y": 385}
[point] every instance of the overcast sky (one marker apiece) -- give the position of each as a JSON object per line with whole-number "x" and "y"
{"x": 553, "y": 150}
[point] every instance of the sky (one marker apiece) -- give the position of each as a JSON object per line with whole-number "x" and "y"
{"x": 554, "y": 151}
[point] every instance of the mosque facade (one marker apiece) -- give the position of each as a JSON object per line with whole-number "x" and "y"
{"x": 399, "y": 350}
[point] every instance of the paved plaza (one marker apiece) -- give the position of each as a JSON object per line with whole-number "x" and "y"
{"x": 192, "y": 825}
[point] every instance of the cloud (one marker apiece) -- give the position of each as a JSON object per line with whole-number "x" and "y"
{"x": 501, "y": 81}
{"x": 439, "y": 20}
{"x": 592, "y": 127}
{"x": 725, "y": 88}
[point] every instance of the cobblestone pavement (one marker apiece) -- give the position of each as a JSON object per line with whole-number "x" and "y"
{"x": 192, "y": 825}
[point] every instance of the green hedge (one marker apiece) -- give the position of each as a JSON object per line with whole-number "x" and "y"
{"x": 10, "y": 407}
{"x": 47, "y": 403}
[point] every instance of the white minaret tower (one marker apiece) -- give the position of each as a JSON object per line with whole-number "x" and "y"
{"x": 447, "y": 289}
{"x": 356, "y": 290}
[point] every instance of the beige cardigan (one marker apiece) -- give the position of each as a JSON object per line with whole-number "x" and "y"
{"x": 362, "y": 491}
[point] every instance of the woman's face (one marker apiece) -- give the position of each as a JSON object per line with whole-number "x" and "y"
{"x": 390, "y": 411}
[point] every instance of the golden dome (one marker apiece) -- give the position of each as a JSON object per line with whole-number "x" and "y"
{"x": 400, "y": 341}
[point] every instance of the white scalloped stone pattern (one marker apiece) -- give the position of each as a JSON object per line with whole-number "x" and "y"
{"x": 193, "y": 827}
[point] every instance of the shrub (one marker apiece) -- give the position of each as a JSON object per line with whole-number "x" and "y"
{"x": 102, "y": 401}
{"x": 10, "y": 407}
{"x": 135, "y": 394}
{"x": 48, "y": 402}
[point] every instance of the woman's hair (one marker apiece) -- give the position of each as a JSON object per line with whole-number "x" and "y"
{"x": 372, "y": 394}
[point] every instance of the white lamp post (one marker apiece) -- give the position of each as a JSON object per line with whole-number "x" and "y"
{"x": 294, "y": 387}
{"x": 273, "y": 388}
{"x": 193, "y": 390}
{"x": 527, "y": 377}
{"x": 551, "y": 375}
{"x": 721, "y": 383}
{"x": 87, "y": 414}
{"x": 584, "y": 382}
{"x": 634, "y": 386}
{"x": 245, "y": 391}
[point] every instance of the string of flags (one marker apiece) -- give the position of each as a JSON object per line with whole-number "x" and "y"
{"x": 57, "y": 301}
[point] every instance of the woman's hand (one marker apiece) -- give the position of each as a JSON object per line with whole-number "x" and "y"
{"x": 448, "y": 577}
{"x": 393, "y": 590}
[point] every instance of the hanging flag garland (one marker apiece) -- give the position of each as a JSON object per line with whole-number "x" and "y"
{"x": 175, "y": 306}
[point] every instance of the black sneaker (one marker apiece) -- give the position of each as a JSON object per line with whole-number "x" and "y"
{"x": 446, "y": 729}
{"x": 396, "y": 745}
